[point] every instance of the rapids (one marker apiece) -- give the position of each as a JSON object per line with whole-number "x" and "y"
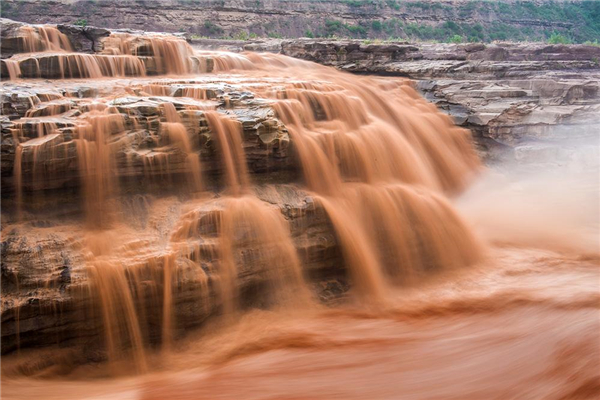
{"x": 439, "y": 302}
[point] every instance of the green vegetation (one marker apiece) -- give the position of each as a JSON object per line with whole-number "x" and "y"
{"x": 241, "y": 35}
{"x": 551, "y": 21}
{"x": 337, "y": 28}
{"x": 81, "y": 22}
{"x": 331, "y": 27}
{"x": 557, "y": 38}
{"x": 393, "y": 4}
{"x": 455, "y": 39}
{"x": 427, "y": 5}
{"x": 213, "y": 29}
{"x": 355, "y": 3}
{"x": 576, "y": 21}
{"x": 572, "y": 21}
{"x": 373, "y": 41}
{"x": 465, "y": 21}
{"x": 356, "y": 30}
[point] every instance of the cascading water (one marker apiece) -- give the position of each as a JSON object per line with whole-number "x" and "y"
{"x": 378, "y": 177}
{"x": 44, "y": 38}
{"x": 47, "y": 53}
{"x": 374, "y": 159}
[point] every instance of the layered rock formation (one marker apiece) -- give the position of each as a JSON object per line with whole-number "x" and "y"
{"x": 84, "y": 52}
{"x": 46, "y": 286}
{"x": 518, "y": 99}
{"x": 44, "y": 281}
{"x": 521, "y": 101}
{"x": 424, "y": 20}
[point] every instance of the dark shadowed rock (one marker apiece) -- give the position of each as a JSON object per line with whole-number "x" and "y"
{"x": 84, "y": 39}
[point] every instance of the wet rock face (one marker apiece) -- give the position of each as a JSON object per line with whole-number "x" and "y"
{"x": 45, "y": 289}
{"x": 266, "y": 139}
{"x": 45, "y": 285}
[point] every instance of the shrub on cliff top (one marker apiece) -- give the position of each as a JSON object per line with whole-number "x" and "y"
{"x": 455, "y": 39}
{"x": 557, "y": 38}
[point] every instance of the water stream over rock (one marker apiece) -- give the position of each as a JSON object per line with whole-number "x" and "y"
{"x": 150, "y": 188}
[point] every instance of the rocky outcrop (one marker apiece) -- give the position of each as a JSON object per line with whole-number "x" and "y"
{"x": 85, "y": 39}
{"x": 432, "y": 60}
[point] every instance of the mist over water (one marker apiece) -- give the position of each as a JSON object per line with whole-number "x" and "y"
{"x": 463, "y": 282}
{"x": 552, "y": 204}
